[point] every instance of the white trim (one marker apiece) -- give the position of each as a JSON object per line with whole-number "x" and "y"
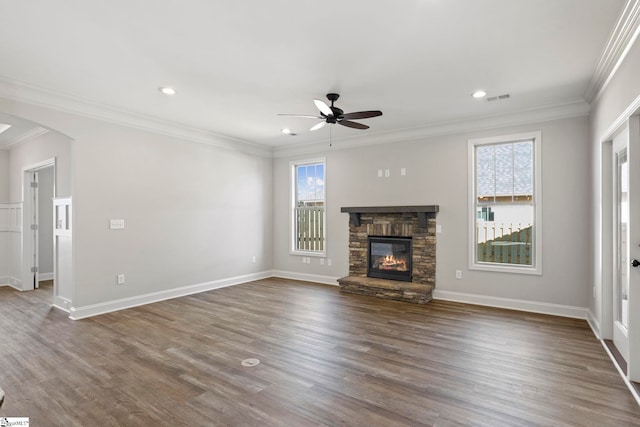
{"x": 24, "y": 137}
{"x": 562, "y": 110}
{"x": 292, "y": 205}
{"x": 11, "y": 282}
{"x": 45, "y": 276}
{"x": 630, "y": 386}
{"x": 77, "y": 313}
{"x": 620, "y": 41}
{"x": 24, "y": 92}
{"x": 61, "y": 303}
{"x": 621, "y": 120}
{"x": 595, "y": 324}
{"x": 514, "y": 304}
{"x": 21, "y": 91}
{"x": 316, "y": 278}
{"x": 29, "y": 247}
{"x": 537, "y": 203}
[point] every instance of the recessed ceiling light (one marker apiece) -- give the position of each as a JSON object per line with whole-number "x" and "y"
{"x": 479, "y": 93}
{"x": 4, "y": 127}
{"x": 167, "y": 90}
{"x": 288, "y": 131}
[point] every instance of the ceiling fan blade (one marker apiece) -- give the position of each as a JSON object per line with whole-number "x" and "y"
{"x": 304, "y": 116}
{"x": 324, "y": 108}
{"x": 351, "y": 124}
{"x": 319, "y": 125}
{"x": 361, "y": 115}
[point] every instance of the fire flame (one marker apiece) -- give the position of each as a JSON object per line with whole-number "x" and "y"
{"x": 390, "y": 262}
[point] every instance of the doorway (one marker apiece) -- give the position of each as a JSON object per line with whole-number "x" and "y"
{"x": 38, "y": 248}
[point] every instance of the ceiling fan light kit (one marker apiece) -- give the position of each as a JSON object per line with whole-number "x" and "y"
{"x": 332, "y": 114}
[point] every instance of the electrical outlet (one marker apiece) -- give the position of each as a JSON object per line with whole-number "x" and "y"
{"x": 120, "y": 279}
{"x": 321, "y": 261}
{"x": 438, "y": 228}
{"x": 403, "y": 171}
{"x": 253, "y": 259}
{"x": 379, "y": 173}
{"x": 116, "y": 224}
{"x": 329, "y": 262}
{"x": 387, "y": 173}
{"x": 458, "y": 274}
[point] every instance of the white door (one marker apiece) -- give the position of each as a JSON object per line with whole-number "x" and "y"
{"x": 621, "y": 268}
{"x": 626, "y": 245}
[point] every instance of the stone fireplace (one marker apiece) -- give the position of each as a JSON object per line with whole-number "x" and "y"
{"x": 375, "y": 233}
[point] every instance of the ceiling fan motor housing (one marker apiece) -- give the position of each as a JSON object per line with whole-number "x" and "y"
{"x": 333, "y": 97}
{"x": 332, "y": 114}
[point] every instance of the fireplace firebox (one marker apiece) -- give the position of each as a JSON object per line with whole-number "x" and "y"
{"x": 390, "y": 258}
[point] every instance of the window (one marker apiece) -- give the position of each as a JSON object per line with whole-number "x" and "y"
{"x": 308, "y": 210}
{"x": 505, "y": 226}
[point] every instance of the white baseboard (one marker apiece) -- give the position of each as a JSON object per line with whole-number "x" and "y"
{"x": 77, "y": 313}
{"x": 622, "y": 374}
{"x": 45, "y": 276}
{"x": 326, "y": 280}
{"x": 595, "y": 324}
{"x": 62, "y": 303}
{"x": 11, "y": 281}
{"x": 513, "y": 304}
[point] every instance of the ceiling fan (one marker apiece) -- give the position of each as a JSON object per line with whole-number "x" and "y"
{"x": 332, "y": 114}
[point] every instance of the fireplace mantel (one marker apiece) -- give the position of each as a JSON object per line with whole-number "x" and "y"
{"x": 423, "y": 212}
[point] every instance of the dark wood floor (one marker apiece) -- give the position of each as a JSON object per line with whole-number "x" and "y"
{"x": 326, "y": 359}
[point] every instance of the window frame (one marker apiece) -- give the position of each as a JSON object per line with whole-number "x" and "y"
{"x": 536, "y": 267}
{"x": 292, "y": 205}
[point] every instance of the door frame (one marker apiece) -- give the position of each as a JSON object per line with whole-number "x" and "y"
{"x": 609, "y": 241}
{"x": 29, "y": 245}
{"x": 620, "y": 336}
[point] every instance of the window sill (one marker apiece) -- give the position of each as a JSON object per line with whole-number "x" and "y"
{"x": 509, "y": 268}
{"x": 312, "y": 254}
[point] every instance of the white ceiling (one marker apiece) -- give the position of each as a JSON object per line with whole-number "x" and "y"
{"x": 236, "y": 64}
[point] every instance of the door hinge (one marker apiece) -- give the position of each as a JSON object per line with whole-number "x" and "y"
{"x": 34, "y": 184}
{"x": 34, "y": 226}
{"x": 34, "y": 269}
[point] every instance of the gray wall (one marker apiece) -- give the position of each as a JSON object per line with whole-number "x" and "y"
{"x": 4, "y": 175}
{"x": 437, "y": 174}
{"x": 193, "y": 213}
{"x": 44, "y": 147}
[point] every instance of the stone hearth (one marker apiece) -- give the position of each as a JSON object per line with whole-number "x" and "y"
{"x": 417, "y": 222}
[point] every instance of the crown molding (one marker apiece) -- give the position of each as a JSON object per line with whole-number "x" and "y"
{"x": 620, "y": 41}
{"x": 24, "y": 92}
{"x": 562, "y": 110}
{"x": 24, "y": 137}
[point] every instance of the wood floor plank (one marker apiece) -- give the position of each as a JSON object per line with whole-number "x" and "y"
{"x": 325, "y": 359}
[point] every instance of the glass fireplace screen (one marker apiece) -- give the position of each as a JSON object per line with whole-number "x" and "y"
{"x": 390, "y": 258}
